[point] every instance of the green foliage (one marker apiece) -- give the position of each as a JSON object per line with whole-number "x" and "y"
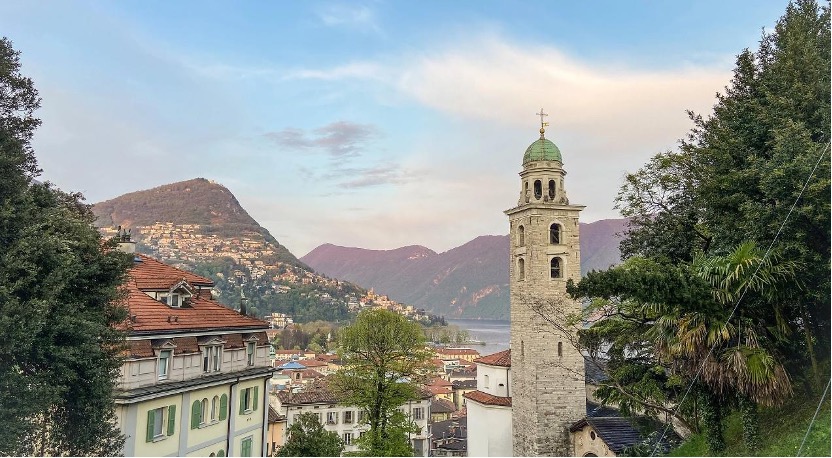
{"x": 384, "y": 360}
{"x": 307, "y": 437}
{"x": 59, "y": 290}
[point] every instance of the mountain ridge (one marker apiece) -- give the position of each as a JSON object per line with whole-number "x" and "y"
{"x": 468, "y": 281}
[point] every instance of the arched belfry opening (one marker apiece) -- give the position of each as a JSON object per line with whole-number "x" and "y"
{"x": 554, "y": 234}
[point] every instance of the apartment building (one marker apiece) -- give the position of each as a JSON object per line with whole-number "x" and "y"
{"x": 348, "y": 421}
{"x": 195, "y": 374}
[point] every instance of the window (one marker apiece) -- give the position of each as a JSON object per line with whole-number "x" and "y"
{"x": 203, "y": 411}
{"x": 485, "y": 382}
{"x": 164, "y": 364}
{"x": 551, "y": 189}
{"x": 538, "y": 189}
{"x": 215, "y": 407}
{"x": 248, "y": 400}
{"x": 560, "y": 348}
{"x": 173, "y": 300}
{"x": 554, "y": 234}
{"x": 418, "y": 413}
{"x": 348, "y": 417}
{"x": 332, "y": 418}
{"x": 361, "y": 415}
{"x": 521, "y": 235}
{"x": 245, "y": 446}
{"x": 250, "y": 353}
{"x": 521, "y": 267}
{"x": 347, "y": 438}
{"x": 211, "y": 358}
{"x": 161, "y": 423}
{"x": 555, "y": 268}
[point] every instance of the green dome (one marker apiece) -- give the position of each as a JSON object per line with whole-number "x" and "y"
{"x": 542, "y": 150}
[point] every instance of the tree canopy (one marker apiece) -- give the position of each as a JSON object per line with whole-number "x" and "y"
{"x": 725, "y": 288}
{"x": 59, "y": 296}
{"x": 385, "y": 360}
{"x": 307, "y": 437}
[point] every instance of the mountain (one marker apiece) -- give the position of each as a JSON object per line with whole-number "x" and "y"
{"x": 469, "y": 281}
{"x": 200, "y": 226}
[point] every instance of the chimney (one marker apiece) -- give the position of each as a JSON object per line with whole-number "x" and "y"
{"x": 125, "y": 244}
{"x": 243, "y": 300}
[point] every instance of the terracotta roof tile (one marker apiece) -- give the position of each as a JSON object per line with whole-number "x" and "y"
{"x": 140, "y": 349}
{"x": 316, "y": 396}
{"x": 233, "y": 341}
{"x": 149, "y": 315}
{"x": 456, "y": 351}
{"x": 186, "y": 345}
{"x": 488, "y": 399}
{"x": 153, "y": 274}
{"x": 502, "y": 359}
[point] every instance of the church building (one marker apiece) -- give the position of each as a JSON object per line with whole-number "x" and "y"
{"x": 547, "y": 373}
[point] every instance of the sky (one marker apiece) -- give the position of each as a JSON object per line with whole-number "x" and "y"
{"x": 375, "y": 124}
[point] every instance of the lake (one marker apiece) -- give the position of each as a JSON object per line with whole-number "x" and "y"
{"x": 495, "y": 333}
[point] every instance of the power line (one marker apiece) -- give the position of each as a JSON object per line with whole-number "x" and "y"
{"x": 813, "y": 418}
{"x": 737, "y": 303}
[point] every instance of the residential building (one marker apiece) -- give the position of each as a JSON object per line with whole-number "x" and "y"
{"x": 449, "y": 437}
{"x": 277, "y": 432}
{"x": 348, "y": 421}
{"x": 194, "y": 377}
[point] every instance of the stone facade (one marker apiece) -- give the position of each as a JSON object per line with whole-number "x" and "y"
{"x": 547, "y": 373}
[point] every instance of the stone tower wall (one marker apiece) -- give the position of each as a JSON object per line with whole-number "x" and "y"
{"x": 548, "y": 390}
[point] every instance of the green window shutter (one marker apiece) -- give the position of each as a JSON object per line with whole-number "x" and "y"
{"x": 254, "y": 399}
{"x": 221, "y": 452}
{"x": 246, "y": 446}
{"x": 171, "y": 419}
{"x": 196, "y": 413}
{"x": 243, "y": 401}
{"x": 223, "y": 407}
{"x": 150, "y": 421}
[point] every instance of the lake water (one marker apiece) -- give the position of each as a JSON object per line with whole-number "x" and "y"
{"x": 495, "y": 333}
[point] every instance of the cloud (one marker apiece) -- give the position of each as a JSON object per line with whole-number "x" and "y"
{"x": 360, "y": 18}
{"x": 338, "y": 139}
{"x": 383, "y": 174}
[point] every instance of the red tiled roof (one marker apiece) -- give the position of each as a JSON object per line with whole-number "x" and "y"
{"x": 233, "y": 341}
{"x": 148, "y": 315}
{"x": 488, "y": 399}
{"x": 153, "y": 274}
{"x": 315, "y": 396}
{"x": 139, "y": 349}
{"x": 314, "y": 363}
{"x": 439, "y": 381}
{"x": 434, "y": 389}
{"x": 502, "y": 359}
{"x": 186, "y": 345}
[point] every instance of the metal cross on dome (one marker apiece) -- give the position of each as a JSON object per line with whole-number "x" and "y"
{"x": 542, "y": 114}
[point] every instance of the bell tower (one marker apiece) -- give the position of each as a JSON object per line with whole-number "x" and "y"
{"x": 547, "y": 373}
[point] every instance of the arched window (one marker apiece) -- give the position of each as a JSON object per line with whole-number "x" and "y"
{"x": 204, "y": 409}
{"x": 521, "y": 269}
{"x": 521, "y": 236}
{"x": 560, "y": 348}
{"x": 551, "y": 189}
{"x": 555, "y": 271}
{"x": 215, "y": 408}
{"x": 538, "y": 189}
{"x": 485, "y": 382}
{"x": 554, "y": 234}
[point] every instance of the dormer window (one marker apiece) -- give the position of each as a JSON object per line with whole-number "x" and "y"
{"x": 173, "y": 300}
{"x": 178, "y": 295}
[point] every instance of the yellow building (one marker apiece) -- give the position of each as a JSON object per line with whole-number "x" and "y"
{"x": 195, "y": 374}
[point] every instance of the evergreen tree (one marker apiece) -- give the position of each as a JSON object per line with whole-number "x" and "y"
{"x": 59, "y": 291}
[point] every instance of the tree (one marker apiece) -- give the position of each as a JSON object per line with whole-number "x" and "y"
{"x": 59, "y": 299}
{"x": 307, "y": 437}
{"x": 385, "y": 360}
{"x": 739, "y": 171}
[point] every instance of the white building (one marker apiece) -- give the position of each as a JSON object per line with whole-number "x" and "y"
{"x": 489, "y": 407}
{"x": 348, "y": 421}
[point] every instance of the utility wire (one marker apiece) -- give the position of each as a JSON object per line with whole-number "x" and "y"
{"x": 813, "y": 418}
{"x": 737, "y": 303}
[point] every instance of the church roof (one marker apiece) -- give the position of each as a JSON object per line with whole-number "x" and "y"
{"x": 488, "y": 399}
{"x": 542, "y": 149}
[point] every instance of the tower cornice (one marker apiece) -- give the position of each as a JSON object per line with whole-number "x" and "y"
{"x": 543, "y": 206}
